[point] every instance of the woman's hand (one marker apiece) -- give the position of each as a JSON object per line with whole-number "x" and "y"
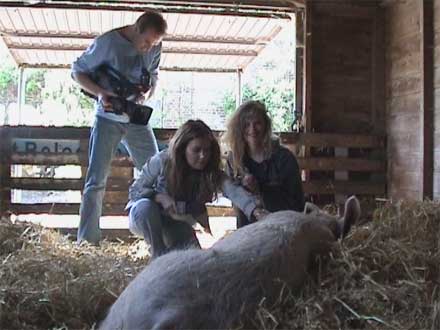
{"x": 260, "y": 213}
{"x": 250, "y": 183}
{"x": 167, "y": 203}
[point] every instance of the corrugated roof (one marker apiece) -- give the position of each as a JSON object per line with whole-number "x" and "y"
{"x": 54, "y": 37}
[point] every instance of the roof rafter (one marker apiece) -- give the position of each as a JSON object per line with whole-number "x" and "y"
{"x": 170, "y": 38}
{"x": 162, "y": 68}
{"x": 165, "y": 50}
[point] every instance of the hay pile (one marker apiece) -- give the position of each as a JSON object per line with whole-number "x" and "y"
{"x": 385, "y": 275}
{"x": 46, "y": 282}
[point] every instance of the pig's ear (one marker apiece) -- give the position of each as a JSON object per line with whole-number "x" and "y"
{"x": 352, "y": 214}
{"x": 310, "y": 207}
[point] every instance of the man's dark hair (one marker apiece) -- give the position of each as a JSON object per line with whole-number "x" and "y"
{"x": 151, "y": 19}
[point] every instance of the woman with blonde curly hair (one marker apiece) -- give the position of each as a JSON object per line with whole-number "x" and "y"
{"x": 171, "y": 192}
{"x": 258, "y": 162}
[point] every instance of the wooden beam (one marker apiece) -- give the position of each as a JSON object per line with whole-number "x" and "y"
{"x": 308, "y": 70}
{"x": 110, "y": 234}
{"x": 299, "y": 70}
{"x": 341, "y": 164}
{"x": 47, "y": 158}
{"x": 113, "y": 184}
{"x": 333, "y": 140}
{"x": 108, "y": 209}
{"x": 5, "y": 172}
{"x": 68, "y": 132}
{"x": 63, "y": 208}
{"x": 427, "y": 25}
{"x": 165, "y": 50}
{"x": 344, "y": 187}
{"x": 122, "y": 184}
{"x": 319, "y": 164}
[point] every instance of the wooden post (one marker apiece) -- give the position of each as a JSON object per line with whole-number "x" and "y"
{"x": 308, "y": 70}
{"x": 341, "y": 176}
{"x": 5, "y": 171}
{"x": 427, "y": 25}
{"x": 299, "y": 60}
{"x": 307, "y": 89}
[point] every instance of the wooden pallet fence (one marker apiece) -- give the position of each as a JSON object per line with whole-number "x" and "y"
{"x": 58, "y": 146}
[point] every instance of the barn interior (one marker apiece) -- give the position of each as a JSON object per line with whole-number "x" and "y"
{"x": 366, "y": 98}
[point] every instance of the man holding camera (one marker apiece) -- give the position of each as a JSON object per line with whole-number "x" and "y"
{"x": 133, "y": 51}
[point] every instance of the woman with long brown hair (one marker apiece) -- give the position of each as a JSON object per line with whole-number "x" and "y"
{"x": 259, "y": 163}
{"x": 170, "y": 194}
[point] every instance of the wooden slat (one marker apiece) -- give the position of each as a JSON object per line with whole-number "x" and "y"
{"x": 5, "y": 172}
{"x": 46, "y": 158}
{"x": 220, "y": 211}
{"x": 116, "y": 197}
{"x": 62, "y": 208}
{"x": 308, "y": 139}
{"x": 333, "y": 140}
{"x": 51, "y": 132}
{"x": 113, "y": 184}
{"x": 106, "y": 233}
{"x": 339, "y": 163}
{"x": 108, "y": 209}
{"x": 67, "y": 132}
{"x": 344, "y": 187}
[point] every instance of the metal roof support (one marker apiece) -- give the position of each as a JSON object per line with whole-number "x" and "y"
{"x": 165, "y": 7}
{"x": 21, "y": 93}
{"x": 239, "y": 96}
{"x": 170, "y": 38}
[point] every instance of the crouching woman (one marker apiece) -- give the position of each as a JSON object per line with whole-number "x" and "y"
{"x": 170, "y": 194}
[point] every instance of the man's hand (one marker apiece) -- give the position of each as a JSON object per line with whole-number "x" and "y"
{"x": 260, "y": 213}
{"x": 140, "y": 99}
{"x": 150, "y": 93}
{"x": 167, "y": 202}
{"x": 104, "y": 99}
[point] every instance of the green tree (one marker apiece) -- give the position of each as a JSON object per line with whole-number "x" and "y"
{"x": 61, "y": 88}
{"x": 8, "y": 88}
{"x": 279, "y": 99}
{"x": 35, "y": 83}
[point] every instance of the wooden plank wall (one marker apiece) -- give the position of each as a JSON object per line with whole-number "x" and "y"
{"x": 436, "y": 120}
{"x": 404, "y": 98}
{"x": 345, "y": 80}
{"x": 346, "y": 91}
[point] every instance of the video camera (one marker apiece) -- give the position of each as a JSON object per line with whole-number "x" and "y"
{"x": 111, "y": 79}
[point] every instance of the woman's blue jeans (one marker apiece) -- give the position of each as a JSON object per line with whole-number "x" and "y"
{"x": 160, "y": 231}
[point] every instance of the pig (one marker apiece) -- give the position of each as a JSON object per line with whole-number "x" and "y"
{"x": 221, "y": 286}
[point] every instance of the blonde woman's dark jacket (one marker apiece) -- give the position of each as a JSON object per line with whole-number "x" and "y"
{"x": 278, "y": 177}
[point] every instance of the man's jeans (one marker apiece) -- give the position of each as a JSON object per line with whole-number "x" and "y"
{"x": 104, "y": 139}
